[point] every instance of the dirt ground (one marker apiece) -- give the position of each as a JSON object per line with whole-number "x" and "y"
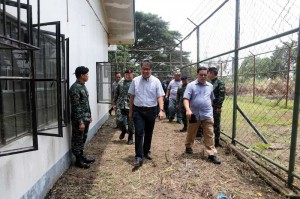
{"x": 171, "y": 173}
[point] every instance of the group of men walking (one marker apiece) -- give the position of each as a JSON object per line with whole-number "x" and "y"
{"x": 139, "y": 101}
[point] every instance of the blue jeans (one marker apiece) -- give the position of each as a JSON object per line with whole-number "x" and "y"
{"x": 173, "y": 110}
{"x": 144, "y": 121}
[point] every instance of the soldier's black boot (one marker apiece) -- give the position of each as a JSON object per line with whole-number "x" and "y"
{"x": 217, "y": 144}
{"x": 79, "y": 163}
{"x": 87, "y": 159}
{"x": 122, "y": 135}
{"x": 130, "y": 139}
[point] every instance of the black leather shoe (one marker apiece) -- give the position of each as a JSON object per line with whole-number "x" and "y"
{"x": 138, "y": 162}
{"x": 130, "y": 142}
{"x": 218, "y": 145}
{"x": 82, "y": 165}
{"x": 189, "y": 150}
{"x": 183, "y": 129}
{"x": 148, "y": 156}
{"x": 110, "y": 110}
{"x": 87, "y": 160}
{"x": 122, "y": 135}
{"x": 214, "y": 159}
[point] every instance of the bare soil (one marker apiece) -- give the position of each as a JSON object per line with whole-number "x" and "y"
{"x": 171, "y": 173}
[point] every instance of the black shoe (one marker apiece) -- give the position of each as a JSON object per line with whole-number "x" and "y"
{"x": 178, "y": 122}
{"x": 79, "y": 163}
{"x": 87, "y": 160}
{"x": 171, "y": 119}
{"x": 183, "y": 129}
{"x": 214, "y": 159}
{"x": 218, "y": 145}
{"x": 189, "y": 150}
{"x": 122, "y": 135}
{"x": 138, "y": 162}
{"x": 130, "y": 139}
{"x": 148, "y": 156}
{"x": 110, "y": 110}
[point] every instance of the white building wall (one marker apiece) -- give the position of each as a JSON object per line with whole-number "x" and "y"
{"x": 32, "y": 174}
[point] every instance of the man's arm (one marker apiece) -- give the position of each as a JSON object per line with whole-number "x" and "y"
{"x": 161, "y": 114}
{"x": 222, "y": 92}
{"x": 131, "y": 100}
{"x": 186, "y": 103}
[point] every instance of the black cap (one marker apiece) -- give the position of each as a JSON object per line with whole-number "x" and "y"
{"x": 129, "y": 70}
{"x": 213, "y": 69}
{"x": 183, "y": 77}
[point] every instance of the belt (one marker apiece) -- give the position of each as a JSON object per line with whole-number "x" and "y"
{"x": 145, "y": 108}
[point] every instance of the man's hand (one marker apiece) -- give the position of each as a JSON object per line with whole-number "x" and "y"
{"x": 188, "y": 114}
{"x": 81, "y": 127}
{"x": 161, "y": 115}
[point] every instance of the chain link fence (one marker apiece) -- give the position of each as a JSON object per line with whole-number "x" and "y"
{"x": 254, "y": 44}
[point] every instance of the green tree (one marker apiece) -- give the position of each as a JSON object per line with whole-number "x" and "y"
{"x": 153, "y": 41}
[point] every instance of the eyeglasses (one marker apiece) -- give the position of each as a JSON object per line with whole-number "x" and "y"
{"x": 146, "y": 69}
{"x": 202, "y": 75}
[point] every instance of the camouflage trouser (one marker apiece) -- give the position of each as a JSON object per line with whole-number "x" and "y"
{"x": 123, "y": 121}
{"x": 78, "y": 138}
{"x": 119, "y": 118}
{"x": 217, "y": 125}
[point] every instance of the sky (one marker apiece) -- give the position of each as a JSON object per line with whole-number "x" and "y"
{"x": 259, "y": 19}
{"x": 175, "y": 12}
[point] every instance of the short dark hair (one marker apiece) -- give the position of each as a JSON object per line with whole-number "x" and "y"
{"x": 118, "y": 72}
{"x": 213, "y": 70}
{"x": 201, "y": 68}
{"x": 81, "y": 70}
{"x": 148, "y": 62}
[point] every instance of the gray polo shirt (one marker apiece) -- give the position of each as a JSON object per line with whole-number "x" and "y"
{"x": 146, "y": 91}
{"x": 200, "y": 97}
{"x": 173, "y": 87}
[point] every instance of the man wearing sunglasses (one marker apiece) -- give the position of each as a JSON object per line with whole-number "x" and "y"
{"x": 197, "y": 101}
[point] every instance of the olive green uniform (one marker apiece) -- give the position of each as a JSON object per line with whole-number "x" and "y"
{"x": 179, "y": 102}
{"x": 219, "y": 92}
{"x": 121, "y": 99}
{"x": 80, "y": 114}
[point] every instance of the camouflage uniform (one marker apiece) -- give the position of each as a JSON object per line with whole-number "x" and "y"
{"x": 165, "y": 85}
{"x": 80, "y": 114}
{"x": 219, "y": 92}
{"x": 121, "y": 99}
{"x": 179, "y": 102}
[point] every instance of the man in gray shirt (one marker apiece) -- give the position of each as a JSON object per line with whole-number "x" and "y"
{"x": 171, "y": 95}
{"x": 197, "y": 101}
{"x": 145, "y": 92}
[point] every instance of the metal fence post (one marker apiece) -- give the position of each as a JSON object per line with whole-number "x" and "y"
{"x": 235, "y": 72}
{"x": 295, "y": 118}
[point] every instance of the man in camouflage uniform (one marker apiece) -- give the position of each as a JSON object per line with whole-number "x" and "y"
{"x": 219, "y": 92}
{"x": 80, "y": 116}
{"x": 165, "y": 85}
{"x": 179, "y": 101}
{"x": 121, "y": 102}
